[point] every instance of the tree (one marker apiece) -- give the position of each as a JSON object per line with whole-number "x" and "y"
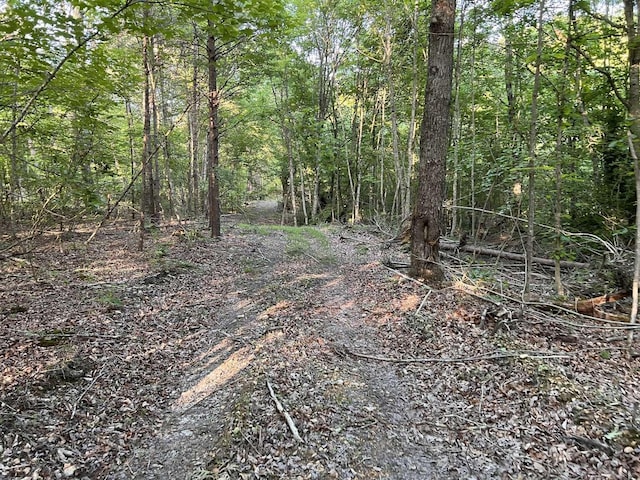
{"x": 632, "y": 12}
{"x": 434, "y": 142}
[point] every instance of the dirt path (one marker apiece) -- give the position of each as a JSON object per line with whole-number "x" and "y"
{"x": 301, "y": 299}
{"x": 119, "y": 365}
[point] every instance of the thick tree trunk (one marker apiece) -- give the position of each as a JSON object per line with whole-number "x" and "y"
{"x": 212, "y": 138}
{"x": 434, "y": 142}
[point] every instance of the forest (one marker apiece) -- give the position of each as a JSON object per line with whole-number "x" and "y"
{"x": 319, "y": 239}
{"x": 127, "y": 108}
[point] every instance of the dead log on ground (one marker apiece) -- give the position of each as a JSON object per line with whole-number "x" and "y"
{"x": 509, "y": 255}
{"x": 592, "y": 306}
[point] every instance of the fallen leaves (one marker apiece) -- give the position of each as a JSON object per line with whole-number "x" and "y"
{"x": 380, "y": 377}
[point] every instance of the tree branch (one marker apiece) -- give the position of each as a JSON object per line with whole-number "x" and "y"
{"x": 52, "y": 75}
{"x": 607, "y": 75}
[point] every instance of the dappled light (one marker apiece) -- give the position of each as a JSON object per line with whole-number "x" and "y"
{"x": 216, "y": 378}
{"x": 319, "y": 240}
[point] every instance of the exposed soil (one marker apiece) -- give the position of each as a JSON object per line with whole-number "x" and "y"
{"x": 120, "y": 365}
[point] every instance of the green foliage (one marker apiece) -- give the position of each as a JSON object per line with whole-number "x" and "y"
{"x": 321, "y": 69}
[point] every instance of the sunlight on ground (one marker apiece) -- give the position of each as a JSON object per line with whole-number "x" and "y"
{"x": 233, "y": 365}
{"x": 281, "y": 305}
{"x": 408, "y": 303}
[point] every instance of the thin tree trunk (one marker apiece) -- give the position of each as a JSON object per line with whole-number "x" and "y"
{"x": 132, "y": 161}
{"x": 194, "y": 133}
{"x": 533, "y": 139}
{"x": 559, "y": 154}
{"x": 153, "y": 106}
{"x": 457, "y": 128}
{"x": 15, "y": 172}
{"x": 434, "y": 142}
{"x": 147, "y": 163}
{"x": 212, "y": 137}
{"x": 632, "y": 14}
{"x": 474, "y": 221}
{"x": 387, "y": 45}
{"x": 303, "y": 200}
{"x": 411, "y": 136}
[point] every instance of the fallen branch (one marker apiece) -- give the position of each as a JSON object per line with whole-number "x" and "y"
{"x": 86, "y": 390}
{"x": 492, "y": 356}
{"x": 407, "y": 277}
{"x": 510, "y": 255}
{"x": 591, "y": 443}
{"x": 285, "y": 414}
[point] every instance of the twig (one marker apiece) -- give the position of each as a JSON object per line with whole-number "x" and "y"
{"x": 591, "y": 443}
{"x": 86, "y": 390}
{"x": 285, "y": 414}
{"x": 406, "y": 276}
{"x": 492, "y": 356}
{"x": 423, "y": 302}
{"x": 312, "y": 257}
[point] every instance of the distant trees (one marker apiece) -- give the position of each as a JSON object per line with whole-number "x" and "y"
{"x": 316, "y": 100}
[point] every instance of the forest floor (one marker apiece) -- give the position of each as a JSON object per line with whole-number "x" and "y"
{"x": 119, "y": 364}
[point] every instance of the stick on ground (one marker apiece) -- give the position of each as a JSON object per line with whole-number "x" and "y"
{"x": 285, "y": 414}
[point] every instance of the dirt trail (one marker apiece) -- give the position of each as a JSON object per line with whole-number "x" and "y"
{"x": 287, "y": 319}
{"x": 124, "y": 365}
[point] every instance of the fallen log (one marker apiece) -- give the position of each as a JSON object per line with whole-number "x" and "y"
{"x": 509, "y": 255}
{"x": 593, "y": 306}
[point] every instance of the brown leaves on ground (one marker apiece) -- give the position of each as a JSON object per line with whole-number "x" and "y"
{"x": 118, "y": 364}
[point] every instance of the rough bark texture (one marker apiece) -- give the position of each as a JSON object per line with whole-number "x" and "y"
{"x": 434, "y": 143}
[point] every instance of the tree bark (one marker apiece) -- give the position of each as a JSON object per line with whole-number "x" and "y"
{"x": 411, "y": 137}
{"x": 434, "y": 142}
{"x": 193, "y": 183}
{"x": 147, "y": 202}
{"x": 533, "y": 139}
{"x": 632, "y": 12}
{"x": 213, "y": 137}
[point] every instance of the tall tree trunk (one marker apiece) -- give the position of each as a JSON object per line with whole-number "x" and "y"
{"x": 559, "y": 154}
{"x": 411, "y": 137}
{"x": 632, "y": 15}
{"x": 387, "y": 47}
{"x": 193, "y": 201}
{"x": 153, "y": 106}
{"x": 434, "y": 142}
{"x": 533, "y": 139}
{"x": 472, "y": 179}
{"x": 132, "y": 160}
{"x": 164, "y": 124}
{"x": 14, "y": 196}
{"x": 457, "y": 127}
{"x": 147, "y": 202}
{"x": 212, "y": 137}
